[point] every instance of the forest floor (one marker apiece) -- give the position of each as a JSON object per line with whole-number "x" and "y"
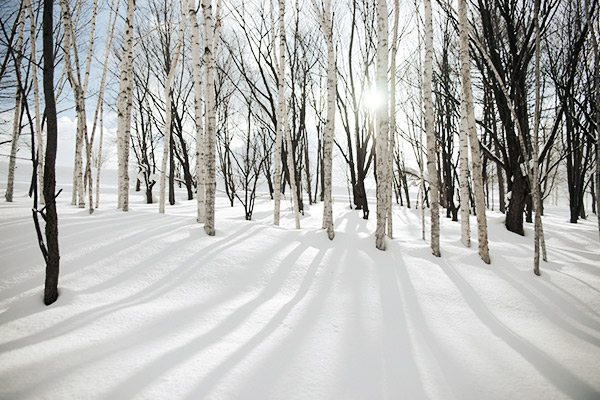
{"x": 152, "y": 308}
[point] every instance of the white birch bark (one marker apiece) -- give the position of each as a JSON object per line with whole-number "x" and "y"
{"x": 326, "y": 23}
{"x": 465, "y": 225}
{"x": 278, "y": 134}
{"x": 382, "y": 122}
{"x": 112, "y": 21}
{"x": 168, "y": 116}
{"x": 467, "y": 103}
{"x": 79, "y": 97}
{"x": 282, "y": 121}
{"x": 16, "y": 132}
{"x": 36, "y": 98}
{"x": 124, "y": 108}
{"x": 101, "y": 140}
{"x": 210, "y": 115}
{"x": 390, "y": 162}
{"x": 197, "y": 76}
{"x": 432, "y": 175}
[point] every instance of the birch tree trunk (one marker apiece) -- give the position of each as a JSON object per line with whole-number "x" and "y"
{"x": 16, "y": 132}
{"x": 430, "y": 132}
{"x": 197, "y": 76}
{"x": 278, "y": 135}
{"x": 382, "y": 122}
{"x": 101, "y": 140}
{"x": 36, "y": 97}
{"x": 112, "y": 21}
{"x": 282, "y": 125}
{"x": 210, "y": 115}
{"x": 168, "y": 116}
{"x": 326, "y": 22}
{"x": 124, "y": 108}
{"x": 79, "y": 95}
{"x": 467, "y": 104}
{"x": 465, "y": 225}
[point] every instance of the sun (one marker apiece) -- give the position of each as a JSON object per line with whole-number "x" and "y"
{"x": 372, "y": 99}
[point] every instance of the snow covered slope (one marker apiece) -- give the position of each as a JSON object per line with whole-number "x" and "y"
{"x": 152, "y": 308}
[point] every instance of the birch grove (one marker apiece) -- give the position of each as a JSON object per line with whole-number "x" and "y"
{"x": 268, "y": 81}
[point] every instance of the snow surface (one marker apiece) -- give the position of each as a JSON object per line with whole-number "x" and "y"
{"x": 152, "y": 308}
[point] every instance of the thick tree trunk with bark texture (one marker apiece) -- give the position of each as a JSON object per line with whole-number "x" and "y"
{"x": 53, "y": 257}
{"x": 382, "y": 122}
{"x": 432, "y": 174}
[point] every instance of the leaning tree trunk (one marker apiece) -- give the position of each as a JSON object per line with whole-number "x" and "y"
{"x": 467, "y": 104}
{"x": 100, "y": 105}
{"x": 52, "y": 257}
{"x": 36, "y": 97}
{"x": 432, "y": 175}
{"x": 325, "y": 20}
{"x": 124, "y": 108}
{"x": 16, "y": 132}
{"x": 382, "y": 119}
{"x": 167, "y": 144}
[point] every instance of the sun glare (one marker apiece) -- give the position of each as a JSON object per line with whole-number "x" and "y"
{"x": 372, "y": 99}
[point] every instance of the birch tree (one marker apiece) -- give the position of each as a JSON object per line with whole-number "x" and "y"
{"x": 432, "y": 175}
{"x": 197, "y": 76}
{"x": 112, "y": 21}
{"x": 79, "y": 85}
{"x": 124, "y": 108}
{"x": 211, "y": 37}
{"x": 17, "y": 116}
{"x": 282, "y": 122}
{"x": 36, "y": 96}
{"x": 382, "y": 122}
{"x": 469, "y": 115}
{"x": 465, "y": 225}
{"x": 326, "y": 22}
{"x": 168, "y": 114}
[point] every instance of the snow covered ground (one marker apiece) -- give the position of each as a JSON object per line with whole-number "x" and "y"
{"x": 152, "y": 308}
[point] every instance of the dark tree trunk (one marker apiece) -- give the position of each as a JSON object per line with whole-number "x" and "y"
{"x": 53, "y": 256}
{"x": 171, "y": 171}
